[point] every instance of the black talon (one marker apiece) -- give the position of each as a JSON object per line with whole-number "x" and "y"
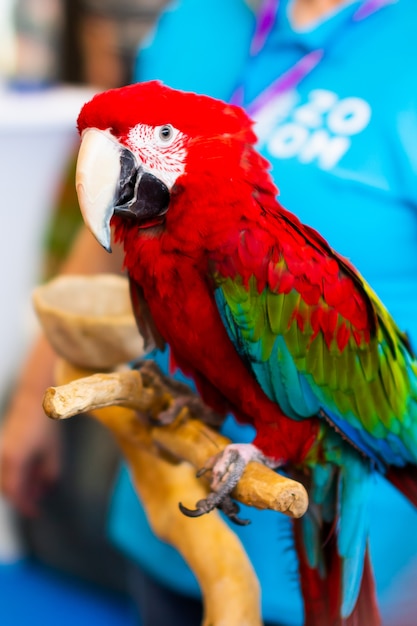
{"x": 197, "y": 512}
{"x": 231, "y": 509}
{"x": 190, "y": 512}
{"x": 201, "y": 472}
{"x": 238, "y": 521}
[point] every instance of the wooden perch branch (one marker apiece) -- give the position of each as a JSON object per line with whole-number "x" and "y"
{"x": 186, "y": 438}
{"x": 229, "y": 586}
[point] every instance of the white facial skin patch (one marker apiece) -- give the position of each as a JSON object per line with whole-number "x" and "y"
{"x": 161, "y": 149}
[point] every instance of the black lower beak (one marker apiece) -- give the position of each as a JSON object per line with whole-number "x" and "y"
{"x": 141, "y": 195}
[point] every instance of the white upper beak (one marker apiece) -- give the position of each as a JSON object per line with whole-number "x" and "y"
{"x": 96, "y": 180}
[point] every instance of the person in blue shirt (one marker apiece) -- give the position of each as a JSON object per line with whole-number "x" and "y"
{"x": 330, "y": 84}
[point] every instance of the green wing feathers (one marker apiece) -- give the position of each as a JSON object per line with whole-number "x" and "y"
{"x": 345, "y": 357}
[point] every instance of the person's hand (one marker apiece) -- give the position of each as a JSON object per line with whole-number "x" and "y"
{"x": 30, "y": 453}
{"x": 30, "y": 447}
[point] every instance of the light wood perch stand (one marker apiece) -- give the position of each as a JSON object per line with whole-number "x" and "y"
{"x": 162, "y": 458}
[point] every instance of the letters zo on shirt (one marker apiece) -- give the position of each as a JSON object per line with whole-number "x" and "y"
{"x": 320, "y": 129}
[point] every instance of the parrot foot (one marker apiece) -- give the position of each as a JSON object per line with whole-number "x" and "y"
{"x": 213, "y": 501}
{"x": 154, "y": 376}
{"x": 195, "y": 406}
{"x": 227, "y": 468}
{"x": 181, "y": 394}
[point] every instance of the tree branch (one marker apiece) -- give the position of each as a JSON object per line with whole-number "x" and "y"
{"x": 186, "y": 438}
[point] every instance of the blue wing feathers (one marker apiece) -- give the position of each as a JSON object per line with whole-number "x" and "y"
{"x": 355, "y": 482}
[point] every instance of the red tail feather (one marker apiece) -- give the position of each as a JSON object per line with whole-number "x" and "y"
{"x": 322, "y": 595}
{"x": 366, "y": 610}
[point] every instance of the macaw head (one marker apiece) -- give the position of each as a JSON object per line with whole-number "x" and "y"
{"x": 138, "y": 145}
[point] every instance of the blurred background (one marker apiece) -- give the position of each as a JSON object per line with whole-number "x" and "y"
{"x": 54, "y": 54}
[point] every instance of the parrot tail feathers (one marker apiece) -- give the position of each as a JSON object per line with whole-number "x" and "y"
{"x": 331, "y": 540}
{"x": 366, "y": 609}
{"x": 314, "y": 586}
{"x": 322, "y": 594}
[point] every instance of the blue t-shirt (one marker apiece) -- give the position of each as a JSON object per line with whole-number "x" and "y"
{"x": 343, "y": 147}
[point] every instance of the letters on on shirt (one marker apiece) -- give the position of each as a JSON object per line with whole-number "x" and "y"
{"x": 320, "y": 129}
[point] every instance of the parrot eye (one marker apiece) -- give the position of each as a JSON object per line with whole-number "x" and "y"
{"x": 165, "y": 133}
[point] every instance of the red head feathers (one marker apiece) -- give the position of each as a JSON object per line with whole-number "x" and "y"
{"x": 155, "y": 104}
